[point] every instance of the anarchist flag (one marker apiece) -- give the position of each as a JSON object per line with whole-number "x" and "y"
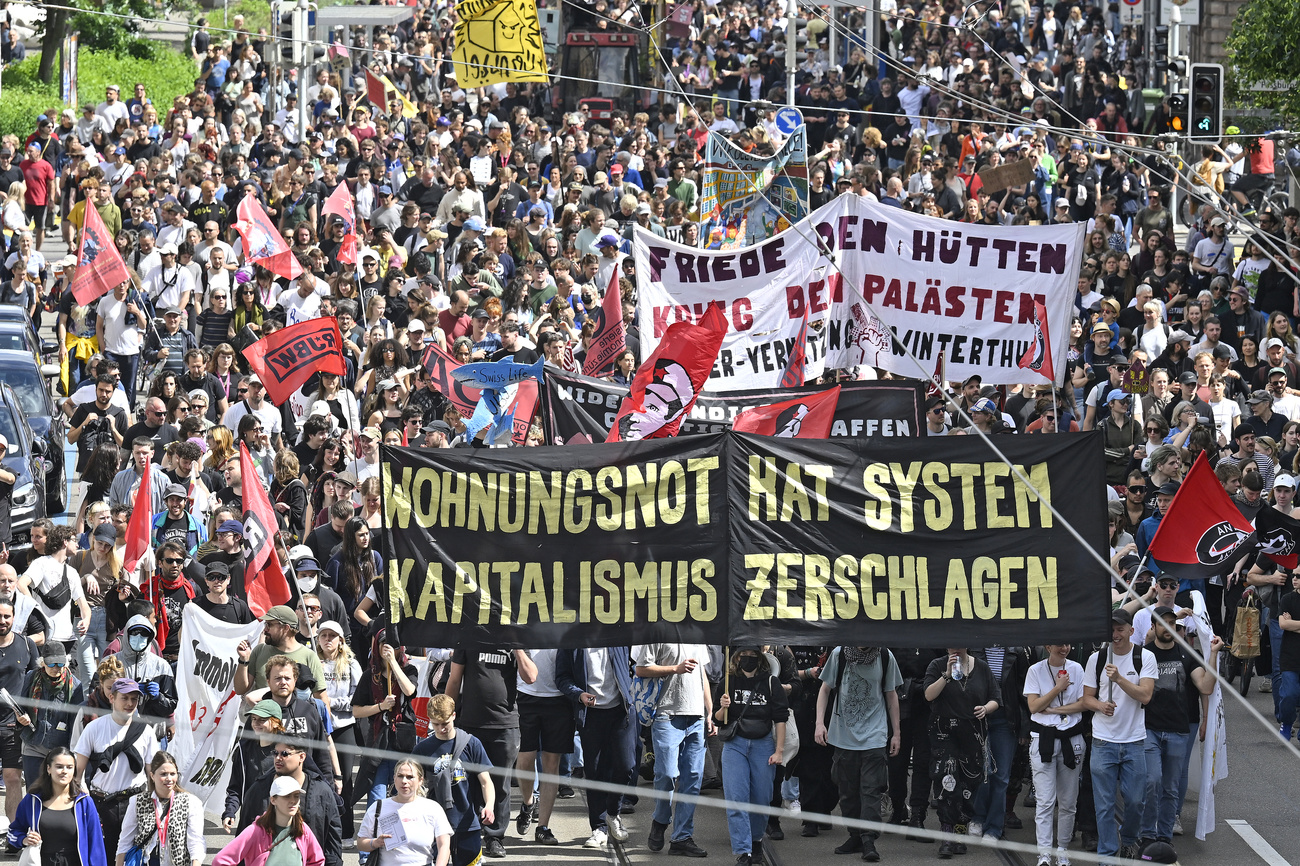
{"x": 340, "y": 204}
{"x": 667, "y": 385}
{"x": 1276, "y": 534}
{"x": 1203, "y": 531}
{"x": 440, "y": 367}
{"x": 609, "y": 336}
{"x": 1038, "y": 357}
{"x": 263, "y": 244}
{"x": 793, "y": 374}
{"x": 140, "y": 527}
{"x": 289, "y": 357}
{"x": 100, "y": 268}
{"x": 264, "y": 580}
{"x": 806, "y": 417}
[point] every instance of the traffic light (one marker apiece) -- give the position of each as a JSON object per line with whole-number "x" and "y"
{"x": 1206, "y": 116}
{"x": 1177, "y": 122}
{"x": 1160, "y": 47}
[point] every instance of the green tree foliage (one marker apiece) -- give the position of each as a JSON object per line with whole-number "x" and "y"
{"x": 1264, "y": 50}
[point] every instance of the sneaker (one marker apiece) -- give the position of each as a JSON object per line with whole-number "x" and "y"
{"x": 687, "y": 848}
{"x": 989, "y": 837}
{"x": 809, "y": 830}
{"x": 851, "y": 845}
{"x": 566, "y": 792}
{"x": 869, "y": 852}
{"x": 744, "y": 860}
{"x": 527, "y": 815}
{"x": 756, "y": 850}
{"x": 1089, "y": 840}
{"x": 712, "y": 784}
{"x": 1043, "y": 860}
{"x": 628, "y": 807}
{"x": 1265, "y": 686}
{"x": 792, "y": 806}
{"x": 946, "y": 850}
{"x": 974, "y": 828}
{"x": 1031, "y": 800}
{"x": 1178, "y": 825}
{"x": 774, "y": 830}
{"x": 656, "y": 840}
{"x": 617, "y": 830}
{"x": 598, "y": 839}
{"x": 1130, "y": 852}
{"x": 1062, "y": 857}
{"x": 494, "y": 848}
{"x": 350, "y": 843}
{"x": 898, "y": 817}
{"x": 1285, "y": 733}
{"x": 544, "y": 836}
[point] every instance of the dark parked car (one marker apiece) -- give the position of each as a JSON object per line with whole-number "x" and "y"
{"x": 48, "y": 423}
{"x": 25, "y": 458}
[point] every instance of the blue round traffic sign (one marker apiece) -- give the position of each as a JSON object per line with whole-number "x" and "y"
{"x": 788, "y": 119}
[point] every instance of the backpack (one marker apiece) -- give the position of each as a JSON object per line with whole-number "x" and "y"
{"x": 441, "y": 782}
{"x": 1101, "y": 666}
{"x": 646, "y": 692}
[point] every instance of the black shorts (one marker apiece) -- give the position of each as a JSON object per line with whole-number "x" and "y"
{"x": 11, "y": 748}
{"x": 36, "y": 213}
{"x": 545, "y": 724}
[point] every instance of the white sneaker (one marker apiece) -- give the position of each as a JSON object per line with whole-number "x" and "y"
{"x": 792, "y": 806}
{"x": 1044, "y": 860}
{"x": 990, "y": 837}
{"x": 350, "y": 842}
{"x": 1062, "y": 857}
{"x": 1178, "y": 825}
{"x": 974, "y": 828}
{"x": 617, "y": 830}
{"x": 598, "y": 840}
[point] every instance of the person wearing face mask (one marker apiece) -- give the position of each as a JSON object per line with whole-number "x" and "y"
{"x": 149, "y": 670}
{"x": 111, "y": 758}
{"x": 306, "y": 579}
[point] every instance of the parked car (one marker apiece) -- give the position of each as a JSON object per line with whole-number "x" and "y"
{"x": 26, "y": 459}
{"x": 48, "y": 423}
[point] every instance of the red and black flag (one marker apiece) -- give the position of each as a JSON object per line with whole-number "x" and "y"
{"x": 609, "y": 336}
{"x": 1038, "y": 357}
{"x": 285, "y": 360}
{"x": 1276, "y": 534}
{"x": 100, "y": 268}
{"x": 263, "y": 243}
{"x": 807, "y": 417}
{"x": 793, "y": 374}
{"x": 1203, "y": 532}
{"x": 667, "y": 385}
{"x": 264, "y": 580}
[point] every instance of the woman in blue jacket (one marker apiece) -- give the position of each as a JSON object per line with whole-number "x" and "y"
{"x": 59, "y": 816}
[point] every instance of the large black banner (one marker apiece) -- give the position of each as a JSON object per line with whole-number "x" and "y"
{"x": 731, "y": 539}
{"x": 579, "y": 546}
{"x": 574, "y": 404}
{"x": 915, "y": 543}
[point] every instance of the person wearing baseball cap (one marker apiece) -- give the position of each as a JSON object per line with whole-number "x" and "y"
{"x": 1119, "y": 679}
{"x": 218, "y": 602}
{"x": 110, "y": 775}
{"x": 177, "y": 523}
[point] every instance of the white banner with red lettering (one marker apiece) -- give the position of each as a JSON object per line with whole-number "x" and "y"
{"x": 207, "y": 710}
{"x": 872, "y": 278}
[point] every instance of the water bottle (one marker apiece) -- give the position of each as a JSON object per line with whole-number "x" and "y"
{"x": 957, "y": 672}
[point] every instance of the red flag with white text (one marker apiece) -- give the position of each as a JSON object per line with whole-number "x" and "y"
{"x": 807, "y": 417}
{"x": 1203, "y": 532}
{"x": 1038, "y": 357}
{"x": 264, "y": 580}
{"x": 263, "y": 244}
{"x": 939, "y": 381}
{"x": 340, "y": 204}
{"x": 285, "y": 360}
{"x": 668, "y": 383}
{"x": 100, "y": 268}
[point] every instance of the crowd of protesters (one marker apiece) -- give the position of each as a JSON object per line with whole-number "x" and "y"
{"x": 492, "y": 229}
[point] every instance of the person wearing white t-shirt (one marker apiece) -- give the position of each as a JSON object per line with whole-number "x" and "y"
{"x": 302, "y": 304}
{"x": 425, "y": 831}
{"x": 255, "y": 404}
{"x": 1054, "y": 691}
{"x": 49, "y": 576}
{"x": 1117, "y": 693}
{"x": 108, "y": 781}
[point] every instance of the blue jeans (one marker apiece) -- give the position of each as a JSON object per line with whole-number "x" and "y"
{"x": 731, "y": 98}
{"x": 990, "y": 807}
{"x": 1288, "y": 697}
{"x": 91, "y": 646}
{"x": 679, "y": 766}
{"x": 128, "y": 366}
{"x": 747, "y": 778}
{"x": 1166, "y": 752}
{"x": 1193, "y": 731}
{"x": 1117, "y": 768}
{"x": 1275, "y": 646}
{"x": 383, "y": 777}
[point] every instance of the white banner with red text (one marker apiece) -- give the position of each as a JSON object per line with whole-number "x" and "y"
{"x": 873, "y": 280}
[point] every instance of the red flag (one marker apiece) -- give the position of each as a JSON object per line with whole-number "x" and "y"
{"x": 439, "y": 366}
{"x": 938, "y": 382}
{"x": 263, "y": 244}
{"x": 793, "y": 376}
{"x": 140, "y": 526}
{"x": 808, "y": 417}
{"x": 679, "y": 21}
{"x": 376, "y": 92}
{"x": 263, "y": 578}
{"x": 340, "y": 204}
{"x": 523, "y": 407}
{"x": 608, "y": 339}
{"x": 292, "y": 355}
{"x": 1038, "y": 357}
{"x": 100, "y": 268}
{"x": 668, "y": 383}
{"x": 1203, "y": 532}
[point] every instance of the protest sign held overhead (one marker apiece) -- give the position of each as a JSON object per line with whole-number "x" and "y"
{"x": 876, "y": 279}
{"x": 574, "y": 406}
{"x": 747, "y": 198}
{"x": 497, "y": 41}
{"x": 726, "y": 538}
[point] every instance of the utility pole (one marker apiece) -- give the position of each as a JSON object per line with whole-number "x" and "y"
{"x": 301, "y": 36}
{"x": 791, "y": 49}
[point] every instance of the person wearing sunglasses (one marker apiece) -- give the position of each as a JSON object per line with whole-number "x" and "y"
{"x": 217, "y": 601}
{"x": 172, "y": 587}
{"x": 936, "y": 418}
{"x": 51, "y": 680}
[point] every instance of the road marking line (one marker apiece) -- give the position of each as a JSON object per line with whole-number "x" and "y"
{"x": 1252, "y": 838}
